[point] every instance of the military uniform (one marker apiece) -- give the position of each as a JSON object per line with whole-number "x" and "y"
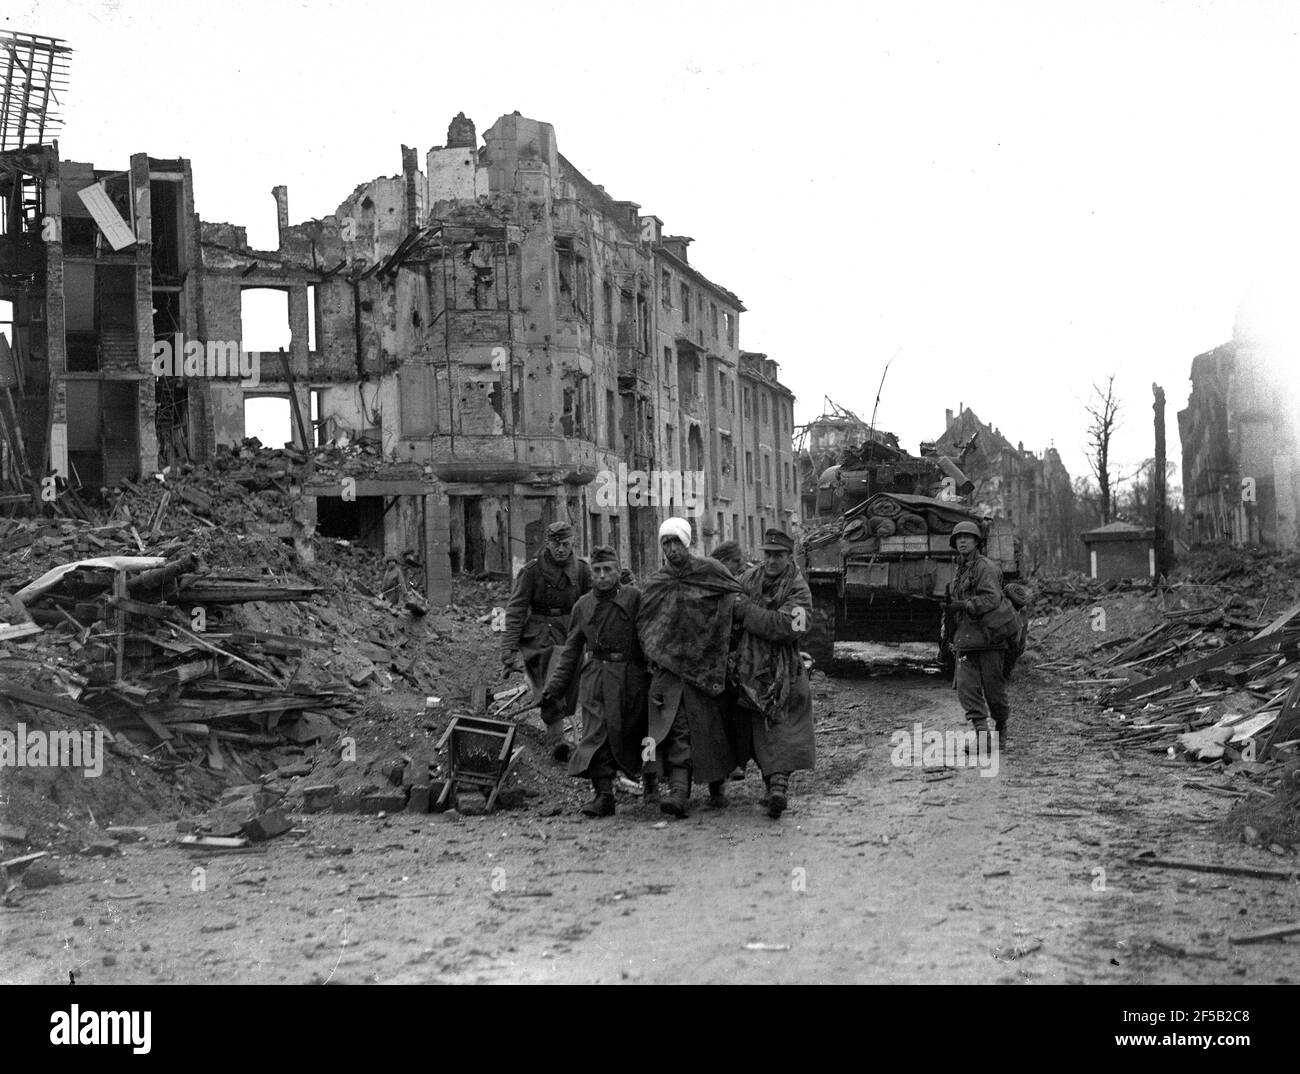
{"x": 537, "y": 622}
{"x": 685, "y": 628}
{"x": 774, "y": 722}
{"x": 611, "y": 682}
{"x": 979, "y": 679}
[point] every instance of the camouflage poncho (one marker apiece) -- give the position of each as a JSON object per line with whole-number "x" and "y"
{"x": 685, "y": 621}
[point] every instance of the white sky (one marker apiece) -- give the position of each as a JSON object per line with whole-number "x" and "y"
{"x": 1018, "y": 198}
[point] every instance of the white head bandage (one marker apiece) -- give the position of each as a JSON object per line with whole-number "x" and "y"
{"x": 676, "y": 527}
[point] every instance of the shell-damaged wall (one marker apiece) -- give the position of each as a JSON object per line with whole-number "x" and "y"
{"x": 473, "y": 346}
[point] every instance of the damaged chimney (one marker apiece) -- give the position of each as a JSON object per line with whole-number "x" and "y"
{"x": 947, "y": 418}
{"x": 281, "y": 195}
{"x": 410, "y": 169}
{"x": 460, "y": 133}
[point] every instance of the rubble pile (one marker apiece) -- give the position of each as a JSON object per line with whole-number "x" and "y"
{"x": 1207, "y": 668}
{"x": 209, "y": 656}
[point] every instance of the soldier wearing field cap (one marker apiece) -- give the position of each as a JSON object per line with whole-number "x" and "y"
{"x": 537, "y": 623}
{"x": 612, "y": 681}
{"x": 774, "y": 722}
{"x": 728, "y": 553}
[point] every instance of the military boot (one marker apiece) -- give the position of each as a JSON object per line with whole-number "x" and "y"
{"x": 778, "y": 790}
{"x": 650, "y": 789}
{"x": 718, "y": 794}
{"x": 677, "y": 800}
{"x": 1002, "y": 736}
{"x": 982, "y": 748}
{"x": 602, "y": 803}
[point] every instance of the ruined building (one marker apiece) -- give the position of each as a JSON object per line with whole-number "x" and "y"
{"x": 522, "y": 346}
{"x": 1031, "y": 491}
{"x": 1240, "y": 431}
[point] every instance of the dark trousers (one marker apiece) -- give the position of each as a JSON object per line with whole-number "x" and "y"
{"x": 602, "y": 764}
{"x": 674, "y": 750}
{"x": 981, "y": 688}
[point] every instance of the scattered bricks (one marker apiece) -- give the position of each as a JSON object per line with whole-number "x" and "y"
{"x": 417, "y": 772}
{"x": 345, "y": 803}
{"x": 222, "y": 821}
{"x": 288, "y": 771}
{"x": 392, "y": 771}
{"x": 264, "y": 800}
{"x": 231, "y": 794}
{"x": 102, "y": 848}
{"x": 419, "y": 800}
{"x": 267, "y": 826}
{"x": 472, "y": 804}
{"x": 510, "y": 798}
{"x": 42, "y": 874}
{"x": 200, "y": 500}
{"x": 360, "y": 678}
{"x": 319, "y": 797}
{"x": 383, "y": 802}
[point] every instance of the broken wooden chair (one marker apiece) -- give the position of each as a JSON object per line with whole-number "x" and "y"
{"x": 480, "y": 753}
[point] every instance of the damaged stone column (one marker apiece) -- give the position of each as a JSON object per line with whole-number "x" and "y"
{"x": 302, "y": 512}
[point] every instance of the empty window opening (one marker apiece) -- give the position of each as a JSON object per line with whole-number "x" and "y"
{"x": 166, "y": 205}
{"x": 695, "y": 449}
{"x": 360, "y": 521}
{"x": 264, "y": 315}
{"x": 269, "y": 418}
{"x": 313, "y": 318}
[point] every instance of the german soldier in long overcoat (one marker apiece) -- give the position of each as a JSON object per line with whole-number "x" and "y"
{"x": 537, "y": 623}
{"x": 611, "y": 682}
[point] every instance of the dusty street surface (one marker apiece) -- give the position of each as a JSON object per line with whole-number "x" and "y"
{"x": 878, "y": 873}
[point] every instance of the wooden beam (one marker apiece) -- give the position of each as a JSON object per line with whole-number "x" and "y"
{"x": 14, "y": 692}
{"x": 1267, "y": 934}
{"x": 1205, "y": 867}
{"x": 1258, "y": 644}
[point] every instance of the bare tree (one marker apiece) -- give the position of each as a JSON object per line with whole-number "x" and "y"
{"x": 1104, "y": 411}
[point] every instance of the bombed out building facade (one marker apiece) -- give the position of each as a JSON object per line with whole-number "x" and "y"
{"x": 523, "y": 348}
{"x": 1240, "y": 430}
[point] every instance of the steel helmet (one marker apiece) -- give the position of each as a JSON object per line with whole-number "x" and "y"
{"x": 969, "y": 529}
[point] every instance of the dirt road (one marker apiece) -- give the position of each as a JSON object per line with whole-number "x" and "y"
{"x": 879, "y": 872}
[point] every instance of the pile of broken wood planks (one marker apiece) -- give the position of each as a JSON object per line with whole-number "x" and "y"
{"x": 1246, "y": 691}
{"x": 142, "y": 650}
